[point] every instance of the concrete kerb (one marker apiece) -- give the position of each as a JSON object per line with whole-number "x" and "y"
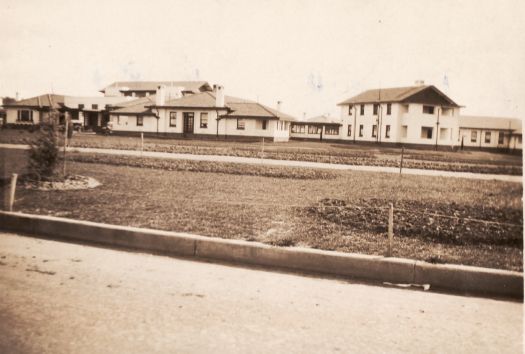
{"x": 455, "y": 278}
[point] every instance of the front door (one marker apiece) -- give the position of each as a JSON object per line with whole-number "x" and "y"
{"x": 188, "y": 122}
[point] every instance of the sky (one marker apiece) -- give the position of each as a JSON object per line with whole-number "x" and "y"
{"x": 308, "y": 54}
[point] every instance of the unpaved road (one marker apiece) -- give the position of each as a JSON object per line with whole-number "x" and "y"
{"x": 68, "y": 298}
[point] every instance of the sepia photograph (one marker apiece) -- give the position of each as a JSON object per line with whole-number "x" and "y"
{"x": 228, "y": 176}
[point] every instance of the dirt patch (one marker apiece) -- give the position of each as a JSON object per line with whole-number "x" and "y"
{"x": 447, "y": 223}
{"x": 73, "y": 182}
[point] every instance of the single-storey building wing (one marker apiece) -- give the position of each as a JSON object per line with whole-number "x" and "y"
{"x": 490, "y": 132}
{"x": 34, "y": 110}
{"x": 146, "y": 88}
{"x": 205, "y": 115}
{"x": 318, "y": 128}
{"x": 419, "y": 114}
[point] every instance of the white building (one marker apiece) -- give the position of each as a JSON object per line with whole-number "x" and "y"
{"x": 322, "y": 127}
{"x": 408, "y": 115}
{"x": 490, "y": 132}
{"x": 34, "y": 110}
{"x": 201, "y": 115}
{"x": 146, "y": 88}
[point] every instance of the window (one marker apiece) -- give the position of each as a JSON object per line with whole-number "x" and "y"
{"x": 444, "y": 134}
{"x": 473, "y": 136}
{"x": 376, "y": 108}
{"x": 519, "y": 139}
{"x": 404, "y": 131}
{"x": 312, "y": 129}
{"x": 387, "y": 131}
{"x": 74, "y": 115}
{"x": 428, "y": 109}
{"x": 374, "y": 131}
{"x": 361, "y": 130}
{"x": 241, "y": 124}
{"x": 264, "y": 124}
{"x": 173, "y": 119}
{"x": 94, "y": 106}
{"x": 140, "y": 121}
{"x": 349, "y": 130}
{"x": 350, "y": 109}
{"x": 501, "y": 137}
{"x": 487, "y": 137}
{"x": 80, "y": 106}
{"x": 426, "y": 132}
{"x": 362, "y": 110}
{"x": 204, "y": 120}
{"x": 331, "y": 130}
{"x": 25, "y": 115}
{"x": 388, "y": 109}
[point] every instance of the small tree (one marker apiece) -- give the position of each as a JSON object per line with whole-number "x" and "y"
{"x": 43, "y": 155}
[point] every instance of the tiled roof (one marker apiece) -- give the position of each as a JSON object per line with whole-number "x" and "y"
{"x": 46, "y": 100}
{"x": 255, "y": 110}
{"x": 194, "y": 86}
{"x": 395, "y": 94}
{"x": 480, "y": 122}
{"x": 138, "y": 106}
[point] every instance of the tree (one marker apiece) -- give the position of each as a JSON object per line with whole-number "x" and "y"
{"x": 43, "y": 154}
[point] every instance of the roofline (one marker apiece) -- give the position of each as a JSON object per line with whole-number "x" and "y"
{"x": 132, "y": 114}
{"x": 247, "y": 117}
{"x": 316, "y": 123}
{"x": 209, "y": 108}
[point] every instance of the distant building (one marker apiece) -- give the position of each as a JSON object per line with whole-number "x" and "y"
{"x": 317, "y": 128}
{"x": 490, "y": 132}
{"x": 34, "y": 110}
{"x": 145, "y": 88}
{"x": 208, "y": 114}
{"x": 422, "y": 115}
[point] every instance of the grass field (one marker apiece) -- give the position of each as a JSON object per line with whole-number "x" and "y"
{"x": 372, "y": 155}
{"x": 445, "y": 220}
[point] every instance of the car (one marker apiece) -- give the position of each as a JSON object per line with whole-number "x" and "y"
{"x": 107, "y": 129}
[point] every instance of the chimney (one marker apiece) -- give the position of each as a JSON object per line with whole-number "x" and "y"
{"x": 160, "y": 98}
{"x": 279, "y": 104}
{"x": 420, "y": 82}
{"x": 17, "y": 97}
{"x": 219, "y": 95}
{"x": 304, "y": 115}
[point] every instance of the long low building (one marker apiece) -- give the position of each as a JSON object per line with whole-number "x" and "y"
{"x": 201, "y": 115}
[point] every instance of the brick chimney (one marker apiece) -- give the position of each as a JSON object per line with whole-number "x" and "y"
{"x": 219, "y": 95}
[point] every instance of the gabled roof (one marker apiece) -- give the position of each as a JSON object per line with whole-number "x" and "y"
{"x": 140, "y": 106}
{"x": 193, "y": 86}
{"x": 495, "y": 123}
{"x": 394, "y": 94}
{"x": 48, "y": 100}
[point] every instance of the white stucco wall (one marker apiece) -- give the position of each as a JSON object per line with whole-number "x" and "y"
{"x": 12, "y": 116}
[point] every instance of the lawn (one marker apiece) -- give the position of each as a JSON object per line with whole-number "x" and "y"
{"x": 445, "y": 220}
{"x": 354, "y": 154}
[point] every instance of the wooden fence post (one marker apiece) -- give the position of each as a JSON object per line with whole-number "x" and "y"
{"x": 141, "y": 142}
{"x": 390, "y": 229}
{"x": 12, "y": 192}
{"x": 401, "y": 164}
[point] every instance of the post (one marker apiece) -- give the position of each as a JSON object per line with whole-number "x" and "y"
{"x": 65, "y": 145}
{"x": 12, "y": 192}
{"x": 262, "y": 152}
{"x": 141, "y": 142}
{"x": 390, "y": 229}
{"x": 401, "y": 164}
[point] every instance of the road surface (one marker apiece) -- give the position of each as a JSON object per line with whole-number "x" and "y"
{"x": 288, "y": 163}
{"x": 68, "y": 298}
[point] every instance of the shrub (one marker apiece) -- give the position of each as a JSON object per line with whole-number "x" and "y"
{"x": 43, "y": 154}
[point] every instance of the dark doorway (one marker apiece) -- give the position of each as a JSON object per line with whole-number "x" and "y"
{"x": 188, "y": 122}
{"x": 91, "y": 120}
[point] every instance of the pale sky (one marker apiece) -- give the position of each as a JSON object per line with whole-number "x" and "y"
{"x": 308, "y": 54}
